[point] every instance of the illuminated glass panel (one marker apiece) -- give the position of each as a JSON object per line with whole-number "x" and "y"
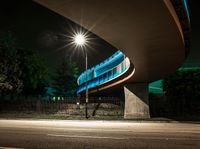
{"x": 102, "y": 68}
{"x": 107, "y": 76}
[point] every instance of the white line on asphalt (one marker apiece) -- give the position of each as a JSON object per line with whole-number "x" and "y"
{"x": 125, "y": 138}
{"x": 92, "y": 137}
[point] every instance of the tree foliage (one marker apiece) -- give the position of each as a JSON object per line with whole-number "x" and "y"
{"x": 65, "y": 79}
{"x": 183, "y": 90}
{"x": 10, "y": 71}
{"x": 35, "y": 73}
{"x": 20, "y": 69}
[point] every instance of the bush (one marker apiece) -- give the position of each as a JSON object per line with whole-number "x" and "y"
{"x": 183, "y": 91}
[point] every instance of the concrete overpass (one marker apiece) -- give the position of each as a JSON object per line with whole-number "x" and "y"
{"x": 154, "y": 35}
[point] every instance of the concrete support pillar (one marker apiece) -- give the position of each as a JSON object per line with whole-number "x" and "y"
{"x": 136, "y": 101}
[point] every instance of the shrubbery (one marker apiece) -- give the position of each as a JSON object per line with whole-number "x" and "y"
{"x": 183, "y": 91}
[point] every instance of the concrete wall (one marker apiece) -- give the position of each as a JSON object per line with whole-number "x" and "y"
{"x": 136, "y": 101}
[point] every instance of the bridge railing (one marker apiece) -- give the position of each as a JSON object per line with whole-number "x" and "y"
{"x": 108, "y": 74}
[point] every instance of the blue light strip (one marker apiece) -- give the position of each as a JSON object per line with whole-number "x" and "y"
{"x": 187, "y": 10}
{"x": 102, "y": 68}
{"x": 109, "y": 69}
{"x": 101, "y": 80}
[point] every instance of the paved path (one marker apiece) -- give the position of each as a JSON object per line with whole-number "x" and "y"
{"x": 98, "y": 134}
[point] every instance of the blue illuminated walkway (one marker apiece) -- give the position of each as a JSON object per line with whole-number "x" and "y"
{"x": 109, "y": 69}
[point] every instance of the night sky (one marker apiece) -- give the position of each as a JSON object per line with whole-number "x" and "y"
{"x": 36, "y": 27}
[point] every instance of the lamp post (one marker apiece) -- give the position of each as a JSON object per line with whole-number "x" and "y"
{"x": 86, "y": 83}
{"x": 80, "y": 40}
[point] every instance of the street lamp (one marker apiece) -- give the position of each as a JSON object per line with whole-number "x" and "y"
{"x": 80, "y": 41}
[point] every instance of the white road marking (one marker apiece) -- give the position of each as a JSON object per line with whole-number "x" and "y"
{"x": 125, "y": 138}
{"x": 91, "y": 137}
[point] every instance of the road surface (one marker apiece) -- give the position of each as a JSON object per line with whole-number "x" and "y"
{"x": 41, "y": 134}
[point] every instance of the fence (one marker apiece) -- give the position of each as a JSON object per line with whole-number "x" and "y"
{"x": 55, "y": 105}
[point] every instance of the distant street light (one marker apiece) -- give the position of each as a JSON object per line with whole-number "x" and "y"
{"x": 80, "y": 41}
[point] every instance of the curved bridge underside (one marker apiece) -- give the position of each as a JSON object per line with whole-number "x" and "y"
{"x": 154, "y": 34}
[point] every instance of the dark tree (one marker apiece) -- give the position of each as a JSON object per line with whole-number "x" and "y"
{"x": 183, "y": 91}
{"x": 35, "y": 73}
{"x": 65, "y": 80}
{"x": 10, "y": 71}
{"x": 20, "y": 69}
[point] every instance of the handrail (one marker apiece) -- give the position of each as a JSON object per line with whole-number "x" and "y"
{"x": 101, "y": 68}
{"x": 106, "y": 77}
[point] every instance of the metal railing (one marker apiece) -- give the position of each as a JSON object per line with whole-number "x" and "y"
{"x": 109, "y": 75}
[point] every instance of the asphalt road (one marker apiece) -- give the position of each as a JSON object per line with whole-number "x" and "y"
{"x": 98, "y": 134}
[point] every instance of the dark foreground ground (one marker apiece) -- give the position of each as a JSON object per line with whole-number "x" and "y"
{"x": 86, "y": 134}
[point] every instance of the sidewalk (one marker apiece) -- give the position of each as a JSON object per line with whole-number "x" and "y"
{"x": 46, "y": 116}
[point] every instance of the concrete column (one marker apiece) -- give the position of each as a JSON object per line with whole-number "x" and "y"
{"x": 136, "y": 101}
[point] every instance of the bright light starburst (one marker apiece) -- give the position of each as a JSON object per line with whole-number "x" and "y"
{"x": 79, "y": 39}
